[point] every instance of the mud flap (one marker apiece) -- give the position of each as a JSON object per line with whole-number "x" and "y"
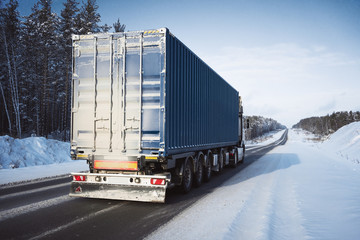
{"x": 118, "y": 192}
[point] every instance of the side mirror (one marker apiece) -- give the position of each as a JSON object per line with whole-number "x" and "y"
{"x": 247, "y": 123}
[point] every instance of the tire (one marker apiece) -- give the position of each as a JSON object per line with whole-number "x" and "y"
{"x": 243, "y": 156}
{"x": 199, "y": 174}
{"x": 221, "y": 161}
{"x": 207, "y": 171}
{"x": 187, "y": 177}
{"x": 234, "y": 164}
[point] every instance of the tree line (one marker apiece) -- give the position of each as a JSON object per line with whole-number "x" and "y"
{"x": 328, "y": 124}
{"x": 259, "y": 125}
{"x": 35, "y": 64}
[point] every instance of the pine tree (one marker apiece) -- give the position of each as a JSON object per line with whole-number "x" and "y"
{"x": 5, "y": 119}
{"x": 10, "y": 61}
{"x": 88, "y": 18}
{"x": 67, "y": 28}
{"x": 67, "y": 22}
{"x": 105, "y": 28}
{"x": 118, "y": 27}
{"x": 32, "y": 70}
{"x": 43, "y": 66}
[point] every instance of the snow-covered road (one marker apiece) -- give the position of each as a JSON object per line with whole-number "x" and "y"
{"x": 296, "y": 191}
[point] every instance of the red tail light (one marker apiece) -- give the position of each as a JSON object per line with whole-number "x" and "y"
{"x": 79, "y": 178}
{"x": 156, "y": 181}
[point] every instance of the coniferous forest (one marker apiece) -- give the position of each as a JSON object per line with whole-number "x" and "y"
{"x": 35, "y": 65}
{"x": 259, "y": 125}
{"x": 328, "y": 124}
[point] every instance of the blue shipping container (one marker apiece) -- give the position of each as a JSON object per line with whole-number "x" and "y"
{"x": 201, "y": 107}
{"x": 145, "y": 93}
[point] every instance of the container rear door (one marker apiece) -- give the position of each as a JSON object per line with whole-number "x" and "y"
{"x": 95, "y": 92}
{"x": 143, "y": 79}
{"x": 117, "y": 93}
{"x": 132, "y": 87}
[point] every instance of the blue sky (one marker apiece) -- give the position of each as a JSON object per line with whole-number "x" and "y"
{"x": 289, "y": 59}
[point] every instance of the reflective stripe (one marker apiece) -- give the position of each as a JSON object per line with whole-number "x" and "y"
{"x": 155, "y": 181}
{"x": 121, "y": 165}
{"x": 79, "y": 178}
{"x": 151, "y": 31}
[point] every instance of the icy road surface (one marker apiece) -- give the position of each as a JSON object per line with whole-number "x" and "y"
{"x": 296, "y": 191}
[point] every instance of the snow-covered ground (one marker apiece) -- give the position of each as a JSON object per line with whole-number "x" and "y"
{"x": 42, "y": 171}
{"x": 35, "y": 157}
{"x": 345, "y": 143}
{"x": 32, "y": 151}
{"x": 300, "y": 190}
{"x": 266, "y": 139}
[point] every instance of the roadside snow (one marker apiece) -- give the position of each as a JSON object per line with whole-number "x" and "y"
{"x": 43, "y": 171}
{"x": 32, "y": 151}
{"x": 266, "y": 139}
{"x": 35, "y": 157}
{"x": 345, "y": 142}
{"x": 296, "y": 191}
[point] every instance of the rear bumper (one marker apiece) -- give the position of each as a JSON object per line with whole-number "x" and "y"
{"x": 120, "y": 187}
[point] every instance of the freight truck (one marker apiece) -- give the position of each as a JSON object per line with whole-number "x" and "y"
{"x": 148, "y": 115}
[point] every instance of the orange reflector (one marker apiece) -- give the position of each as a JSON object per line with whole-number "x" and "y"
{"x": 156, "y": 181}
{"x": 119, "y": 165}
{"x": 79, "y": 178}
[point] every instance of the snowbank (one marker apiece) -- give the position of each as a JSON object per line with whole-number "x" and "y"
{"x": 32, "y": 151}
{"x": 345, "y": 142}
{"x": 34, "y": 158}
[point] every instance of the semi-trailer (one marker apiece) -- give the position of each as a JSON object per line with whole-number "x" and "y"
{"x": 148, "y": 115}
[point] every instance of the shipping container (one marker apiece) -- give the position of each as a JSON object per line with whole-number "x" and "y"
{"x": 201, "y": 108}
{"x": 143, "y": 103}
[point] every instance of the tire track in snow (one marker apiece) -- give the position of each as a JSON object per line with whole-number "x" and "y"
{"x": 274, "y": 198}
{"x": 247, "y": 224}
{"x": 286, "y": 216}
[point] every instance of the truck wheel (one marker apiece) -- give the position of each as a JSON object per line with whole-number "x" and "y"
{"x": 236, "y": 160}
{"x": 221, "y": 162}
{"x": 243, "y": 156}
{"x": 199, "y": 174}
{"x": 207, "y": 171}
{"x": 187, "y": 177}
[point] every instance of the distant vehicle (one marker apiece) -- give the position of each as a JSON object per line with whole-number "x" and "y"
{"x": 148, "y": 115}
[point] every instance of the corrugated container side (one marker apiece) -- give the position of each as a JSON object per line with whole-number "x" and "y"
{"x": 201, "y": 107}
